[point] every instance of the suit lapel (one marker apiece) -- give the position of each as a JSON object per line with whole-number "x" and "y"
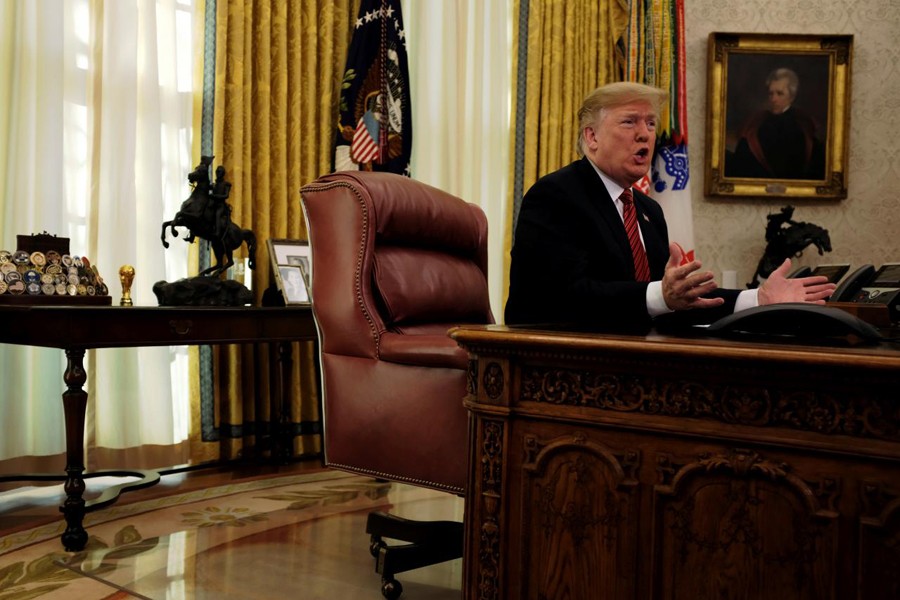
{"x": 600, "y": 206}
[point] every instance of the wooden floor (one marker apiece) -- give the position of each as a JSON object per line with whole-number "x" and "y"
{"x": 314, "y": 548}
{"x": 22, "y": 511}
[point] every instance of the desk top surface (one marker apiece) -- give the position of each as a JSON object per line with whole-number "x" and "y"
{"x": 118, "y": 326}
{"x": 506, "y": 339}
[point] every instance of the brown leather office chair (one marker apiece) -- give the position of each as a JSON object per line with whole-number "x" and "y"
{"x": 395, "y": 264}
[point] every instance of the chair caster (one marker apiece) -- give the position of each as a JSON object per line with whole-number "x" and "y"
{"x": 375, "y": 546}
{"x": 391, "y": 589}
{"x": 429, "y": 543}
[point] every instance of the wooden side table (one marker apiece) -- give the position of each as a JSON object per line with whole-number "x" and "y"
{"x": 76, "y": 329}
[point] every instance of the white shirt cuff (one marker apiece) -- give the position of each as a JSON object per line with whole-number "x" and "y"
{"x": 656, "y": 304}
{"x": 746, "y": 299}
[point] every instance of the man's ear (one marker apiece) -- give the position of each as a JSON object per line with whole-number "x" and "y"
{"x": 589, "y": 137}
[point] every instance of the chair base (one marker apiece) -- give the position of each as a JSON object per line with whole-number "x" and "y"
{"x": 428, "y": 543}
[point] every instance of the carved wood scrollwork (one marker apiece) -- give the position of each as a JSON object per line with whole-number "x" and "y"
{"x": 879, "y": 550}
{"x": 820, "y": 495}
{"x": 738, "y": 505}
{"x": 472, "y": 378}
{"x": 865, "y": 416}
{"x": 590, "y": 508}
{"x": 879, "y": 502}
{"x": 490, "y": 530}
{"x": 580, "y": 500}
{"x": 493, "y": 380}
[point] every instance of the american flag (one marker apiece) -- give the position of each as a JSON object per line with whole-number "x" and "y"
{"x": 364, "y": 147}
{"x": 374, "y": 131}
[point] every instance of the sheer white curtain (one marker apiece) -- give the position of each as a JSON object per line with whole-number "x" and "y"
{"x": 95, "y": 145}
{"x": 460, "y": 59}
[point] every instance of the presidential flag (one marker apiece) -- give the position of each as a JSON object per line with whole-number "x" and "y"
{"x": 375, "y": 127}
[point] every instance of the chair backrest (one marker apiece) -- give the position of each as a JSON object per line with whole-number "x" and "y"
{"x": 395, "y": 264}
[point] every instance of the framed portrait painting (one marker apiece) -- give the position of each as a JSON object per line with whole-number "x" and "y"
{"x": 778, "y": 115}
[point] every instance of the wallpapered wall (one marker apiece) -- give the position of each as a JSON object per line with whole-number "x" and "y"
{"x": 865, "y": 227}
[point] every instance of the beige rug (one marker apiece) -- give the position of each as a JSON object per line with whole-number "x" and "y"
{"x": 33, "y": 564}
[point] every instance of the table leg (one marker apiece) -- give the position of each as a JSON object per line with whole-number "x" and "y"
{"x": 74, "y": 398}
{"x": 285, "y": 443}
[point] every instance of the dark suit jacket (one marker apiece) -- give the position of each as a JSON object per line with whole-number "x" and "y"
{"x": 571, "y": 261}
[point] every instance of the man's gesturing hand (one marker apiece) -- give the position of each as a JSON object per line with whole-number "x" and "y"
{"x": 778, "y": 288}
{"x": 683, "y": 286}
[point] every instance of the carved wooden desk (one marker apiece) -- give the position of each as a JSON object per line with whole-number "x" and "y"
{"x": 651, "y": 467}
{"x": 76, "y": 329}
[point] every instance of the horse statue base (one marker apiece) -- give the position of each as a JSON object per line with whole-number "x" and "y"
{"x": 202, "y": 291}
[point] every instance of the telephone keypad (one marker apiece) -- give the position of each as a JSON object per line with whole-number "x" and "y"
{"x": 877, "y": 295}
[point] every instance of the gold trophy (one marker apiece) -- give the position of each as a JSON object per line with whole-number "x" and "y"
{"x": 126, "y": 276}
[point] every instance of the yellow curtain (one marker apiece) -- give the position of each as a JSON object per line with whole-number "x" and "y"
{"x": 278, "y": 69}
{"x": 571, "y": 50}
{"x": 568, "y": 48}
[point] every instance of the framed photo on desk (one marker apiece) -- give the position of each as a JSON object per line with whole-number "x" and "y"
{"x": 292, "y": 284}
{"x": 778, "y": 115}
{"x": 291, "y": 265}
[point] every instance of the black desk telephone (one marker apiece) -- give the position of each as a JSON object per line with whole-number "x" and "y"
{"x": 868, "y": 286}
{"x": 799, "y": 320}
{"x": 814, "y": 322}
{"x": 832, "y": 272}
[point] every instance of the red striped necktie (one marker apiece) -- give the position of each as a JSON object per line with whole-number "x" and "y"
{"x": 641, "y": 268}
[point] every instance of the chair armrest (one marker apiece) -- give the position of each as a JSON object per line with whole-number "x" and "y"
{"x": 423, "y": 350}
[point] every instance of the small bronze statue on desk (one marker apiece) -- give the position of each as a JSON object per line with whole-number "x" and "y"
{"x": 207, "y": 215}
{"x": 788, "y": 242}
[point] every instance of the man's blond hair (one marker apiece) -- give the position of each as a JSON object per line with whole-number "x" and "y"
{"x": 612, "y": 95}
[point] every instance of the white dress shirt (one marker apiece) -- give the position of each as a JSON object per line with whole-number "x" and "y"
{"x": 656, "y": 303}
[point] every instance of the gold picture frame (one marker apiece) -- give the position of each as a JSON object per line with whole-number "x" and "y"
{"x": 801, "y": 153}
{"x": 292, "y": 266}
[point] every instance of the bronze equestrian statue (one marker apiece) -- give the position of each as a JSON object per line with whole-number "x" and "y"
{"x": 788, "y": 242}
{"x": 207, "y": 215}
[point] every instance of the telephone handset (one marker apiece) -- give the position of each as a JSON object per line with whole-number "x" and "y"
{"x": 799, "y": 320}
{"x": 850, "y": 287}
{"x": 868, "y": 286}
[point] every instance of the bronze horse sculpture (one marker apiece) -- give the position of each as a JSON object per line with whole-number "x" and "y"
{"x": 207, "y": 215}
{"x": 788, "y": 242}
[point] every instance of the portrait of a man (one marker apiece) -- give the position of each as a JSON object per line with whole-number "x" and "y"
{"x": 776, "y": 124}
{"x": 294, "y": 287}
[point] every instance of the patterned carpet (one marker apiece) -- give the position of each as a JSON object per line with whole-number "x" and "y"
{"x": 245, "y": 540}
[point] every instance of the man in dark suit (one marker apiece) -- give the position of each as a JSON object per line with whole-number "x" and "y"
{"x": 573, "y": 262}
